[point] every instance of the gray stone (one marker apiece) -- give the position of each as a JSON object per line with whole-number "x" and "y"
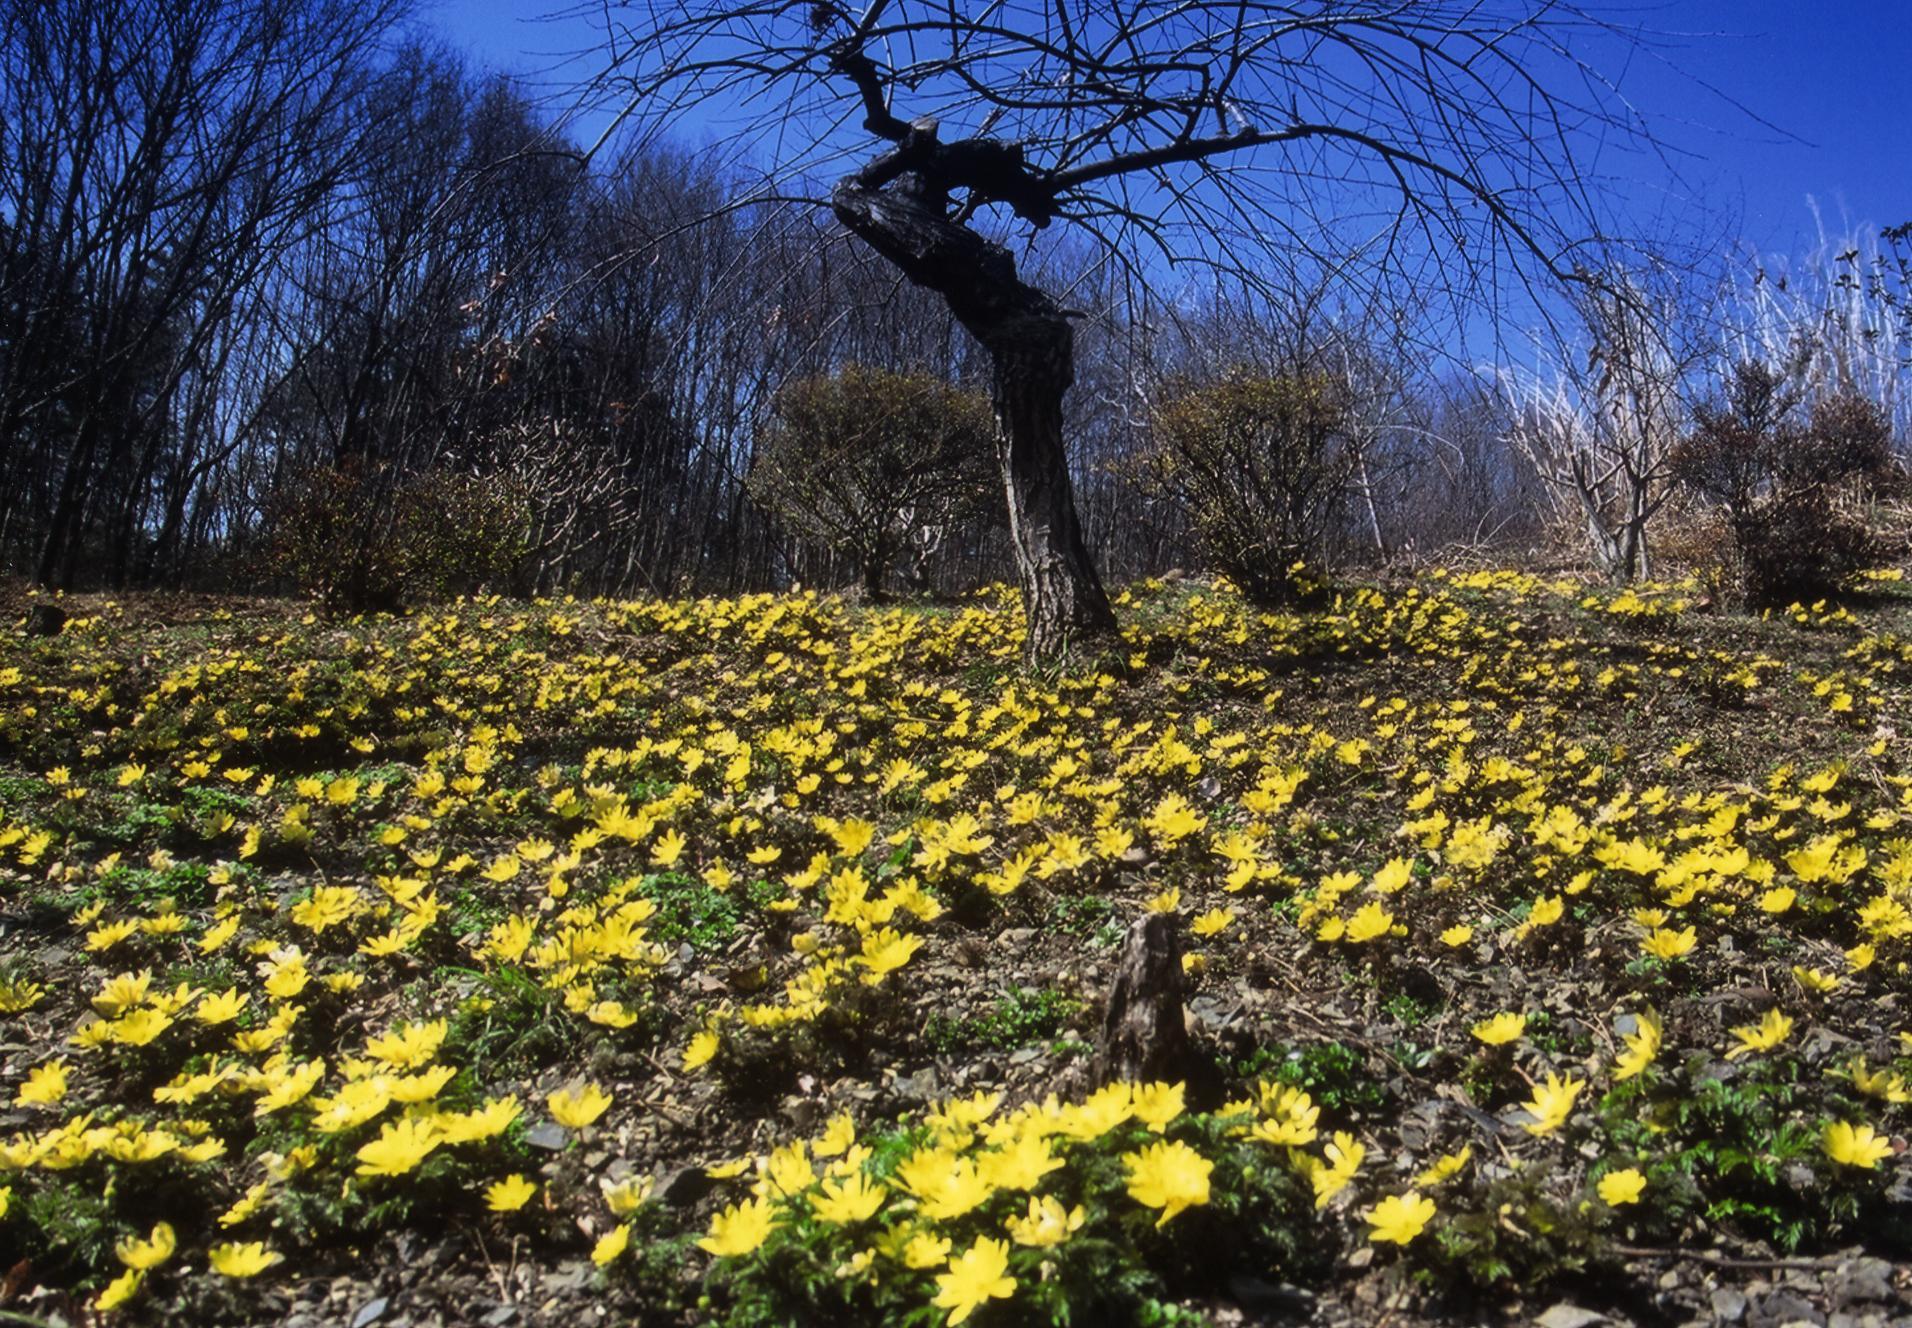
{"x": 370, "y": 1312}
{"x": 1861, "y": 1282}
{"x": 1565, "y": 1315}
{"x": 1783, "y": 1309}
{"x": 1729, "y": 1304}
{"x": 549, "y": 1136}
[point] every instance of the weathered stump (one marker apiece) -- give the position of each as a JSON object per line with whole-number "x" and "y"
{"x": 1144, "y": 1032}
{"x": 45, "y": 620}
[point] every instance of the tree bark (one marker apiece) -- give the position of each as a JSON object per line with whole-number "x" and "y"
{"x": 1032, "y": 353}
{"x": 1144, "y": 1032}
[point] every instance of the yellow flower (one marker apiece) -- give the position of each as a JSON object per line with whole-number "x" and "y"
{"x": 854, "y": 1199}
{"x": 1551, "y": 1103}
{"x": 221, "y": 1009}
{"x": 702, "y": 1049}
{"x": 924, "y": 1250}
{"x": 510, "y": 1194}
{"x": 401, "y": 1145}
{"x": 1856, "y": 1145}
{"x": 1665, "y": 943}
{"x": 409, "y": 1045}
{"x": 120, "y": 1290}
{"x": 1169, "y": 1176}
{"x": 248, "y": 1260}
{"x": 576, "y": 1108}
{"x": 611, "y": 1244}
{"x": 1642, "y": 1045}
{"x": 1622, "y": 1187}
{"x": 977, "y": 1275}
{"x": 1446, "y": 1167}
{"x": 1166, "y": 902}
{"x": 1501, "y": 1029}
{"x": 1814, "y": 981}
{"x": 145, "y": 1255}
{"x": 624, "y": 1197}
{"x": 1344, "y": 1154}
{"x": 1212, "y": 923}
{"x": 44, "y": 1087}
{"x": 1369, "y": 922}
{"x": 1155, "y": 1105}
{"x": 1399, "y": 1218}
{"x": 1047, "y": 1223}
{"x": 1457, "y": 935}
{"x": 1768, "y": 1033}
{"x": 739, "y": 1229}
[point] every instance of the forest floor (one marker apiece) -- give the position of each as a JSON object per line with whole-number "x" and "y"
{"x": 742, "y": 961}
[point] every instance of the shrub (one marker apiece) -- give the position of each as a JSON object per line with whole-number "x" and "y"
{"x": 1259, "y": 465}
{"x": 1777, "y": 475}
{"x": 876, "y": 464}
{"x": 365, "y": 538}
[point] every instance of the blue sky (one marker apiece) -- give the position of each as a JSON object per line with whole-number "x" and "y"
{"x": 1830, "y": 77}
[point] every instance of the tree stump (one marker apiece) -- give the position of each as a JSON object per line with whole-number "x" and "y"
{"x": 45, "y": 620}
{"x": 1144, "y": 1032}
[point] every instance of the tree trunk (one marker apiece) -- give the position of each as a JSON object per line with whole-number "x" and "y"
{"x": 1032, "y": 351}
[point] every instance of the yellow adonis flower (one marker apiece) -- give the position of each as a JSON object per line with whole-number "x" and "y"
{"x": 1344, "y": 1154}
{"x": 1551, "y": 1103}
{"x": 1213, "y": 923}
{"x": 1768, "y": 1033}
{"x": 1501, "y": 1029}
{"x": 1665, "y": 943}
{"x": 1156, "y": 1105}
{"x": 624, "y": 1197}
{"x": 1369, "y": 922}
{"x": 1856, "y": 1145}
{"x": 145, "y": 1255}
{"x": 739, "y": 1229}
{"x": 576, "y": 1108}
{"x": 401, "y": 1145}
{"x": 120, "y": 1290}
{"x": 1399, "y": 1218}
{"x": 702, "y": 1050}
{"x": 510, "y": 1194}
{"x": 611, "y": 1244}
{"x": 1622, "y": 1187}
{"x": 1047, "y": 1223}
{"x": 233, "y": 1259}
{"x": 1169, "y": 1176}
{"x": 1445, "y": 1167}
{"x": 1642, "y": 1046}
{"x": 44, "y": 1087}
{"x": 1457, "y": 935}
{"x": 852, "y": 1199}
{"x": 979, "y": 1274}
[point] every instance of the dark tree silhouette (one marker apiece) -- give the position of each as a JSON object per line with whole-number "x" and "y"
{"x": 1218, "y": 132}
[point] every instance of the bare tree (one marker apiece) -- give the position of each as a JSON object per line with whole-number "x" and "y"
{"x": 1600, "y": 424}
{"x": 1207, "y": 130}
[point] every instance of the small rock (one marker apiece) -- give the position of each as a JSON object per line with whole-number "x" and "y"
{"x": 571, "y": 1275}
{"x": 920, "y": 1087}
{"x": 370, "y": 1312}
{"x": 1860, "y": 1282}
{"x": 1565, "y": 1315}
{"x": 501, "y": 1316}
{"x": 683, "y": 1187}
{"x": 1729, "y": 1304}
{"x": 549, "y": 1136}
{"x": 1783, "y": 1309}
{"x": 1259, "y": 1297}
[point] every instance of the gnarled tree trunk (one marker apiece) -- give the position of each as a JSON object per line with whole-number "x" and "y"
{"x": 1032, "y": 350}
